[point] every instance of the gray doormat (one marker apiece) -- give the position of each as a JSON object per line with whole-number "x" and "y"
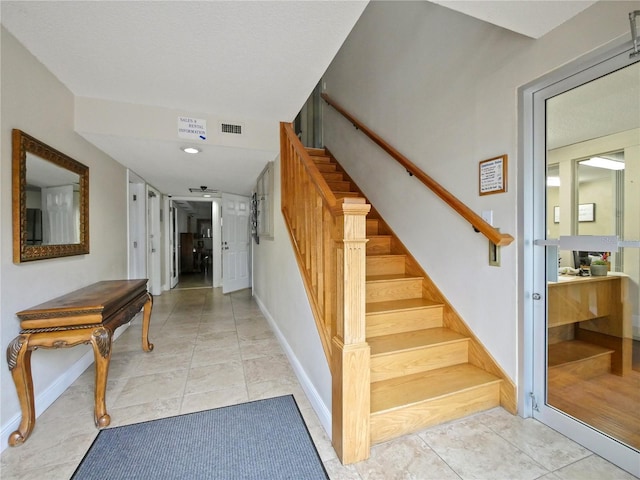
{"x": 261, "y": 440}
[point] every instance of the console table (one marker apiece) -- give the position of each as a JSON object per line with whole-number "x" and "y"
{"x": 89, "y": 315}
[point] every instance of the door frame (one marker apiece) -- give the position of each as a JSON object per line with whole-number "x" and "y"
{"x": 531, "y": 225}
{"x": 154, "y": 240}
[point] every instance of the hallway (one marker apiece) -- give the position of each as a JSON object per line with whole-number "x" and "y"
{"x": 213, "y": 350}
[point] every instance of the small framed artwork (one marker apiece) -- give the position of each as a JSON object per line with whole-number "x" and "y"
{"x": 556, "y": 214}
{"x": 587, "y": 212}
{"x": 493, "y": 175}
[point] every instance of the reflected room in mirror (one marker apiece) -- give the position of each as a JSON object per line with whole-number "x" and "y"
{"x": 50, "y": 202}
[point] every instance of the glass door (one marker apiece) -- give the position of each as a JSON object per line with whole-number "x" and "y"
{"x": 587, "y": 260}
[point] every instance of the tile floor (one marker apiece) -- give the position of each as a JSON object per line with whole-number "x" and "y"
{"x": 213, "y": 350}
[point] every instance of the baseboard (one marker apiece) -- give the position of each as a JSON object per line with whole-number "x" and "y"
{"x": 324, "y": 414}
{"x": 46, "y": 398}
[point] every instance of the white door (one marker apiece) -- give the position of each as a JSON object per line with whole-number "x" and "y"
{"x": 154, "y": 241}
{"x": 235, "y": 243}
{"x": 137, "y": 229}
{"x": 585, "y": 196}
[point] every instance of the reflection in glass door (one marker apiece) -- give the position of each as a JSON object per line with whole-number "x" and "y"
{"x": 587, "y": 370}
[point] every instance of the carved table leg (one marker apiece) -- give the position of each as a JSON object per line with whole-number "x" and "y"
{"x": 101, "y": 343}
{"x": 19, "y": 360}
{"x": 146, "y": 320}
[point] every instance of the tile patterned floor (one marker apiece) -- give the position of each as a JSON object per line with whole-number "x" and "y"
{"x": 213, "y": 350}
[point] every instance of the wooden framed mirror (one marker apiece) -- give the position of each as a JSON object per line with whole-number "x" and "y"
{"x": 50, "y": 201}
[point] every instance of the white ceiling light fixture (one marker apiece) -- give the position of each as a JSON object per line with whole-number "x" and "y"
{"x": 191, "y": 150}
{"x": 553, "y": 181}
{"x": 601, "y": 162}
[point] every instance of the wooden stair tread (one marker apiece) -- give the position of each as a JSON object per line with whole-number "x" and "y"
{"x": 412, "y": 340}
{"x": 400, "y": 305}
{"x": 321, "y": 158}
{"x": 574, "y": 350}
{"x": 346, "y": 194}
{"x": 315, "y": 151}
{"x": 399, "y": 392}
{"x": 387, "y": 255}
{"x": 391, "y": 277}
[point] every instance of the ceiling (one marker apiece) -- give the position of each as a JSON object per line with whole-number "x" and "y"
{"x": 136, "y": 66}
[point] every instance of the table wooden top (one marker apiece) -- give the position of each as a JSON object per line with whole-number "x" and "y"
{"x": 94, "y": 302}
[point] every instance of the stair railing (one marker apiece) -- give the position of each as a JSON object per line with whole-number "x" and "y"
{"x": 329, "y": 241}
{"x": 476, "y": 221}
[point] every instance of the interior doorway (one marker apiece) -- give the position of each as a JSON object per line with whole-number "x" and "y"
{"x": 196, "y": 227}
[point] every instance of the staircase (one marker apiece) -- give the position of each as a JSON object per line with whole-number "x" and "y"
{"x": 425, "y": 365}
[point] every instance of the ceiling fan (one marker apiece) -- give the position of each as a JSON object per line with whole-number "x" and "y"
{"x": 203, "y": 189}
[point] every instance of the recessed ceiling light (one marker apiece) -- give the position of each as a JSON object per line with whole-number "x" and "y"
{"x": 553, "y": 181}
{"x": 206, "y": 195}
{"x": 601, "y": 162}
{"x": 190, "y": 150}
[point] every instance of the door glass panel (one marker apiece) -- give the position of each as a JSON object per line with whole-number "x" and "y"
{"x": 593, "y": 189}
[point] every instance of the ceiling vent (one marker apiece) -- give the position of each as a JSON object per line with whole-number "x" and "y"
{"x": 231, "y": 128}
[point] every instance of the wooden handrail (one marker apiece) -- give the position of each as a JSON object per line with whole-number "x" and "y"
{"x": 478, "y": 223}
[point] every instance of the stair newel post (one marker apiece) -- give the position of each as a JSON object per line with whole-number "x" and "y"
{"x": 350, "y": 352}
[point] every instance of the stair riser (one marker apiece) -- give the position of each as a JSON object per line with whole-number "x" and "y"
{"x": 326, "y": 167}
{"x": 393, "y": 290}
{"x": 333, "y": 176}
{"x": 373, "y": 227}
{"x": 585, "y": 369}
{"x": 385, "y": 265}
{"x": 320, "y": 159}
{"x": 379, "y": 246}
{"x": 406, "y": 321}
{"x": 316, "y": 152}
{"x": 397, "y": 364}
{"x": 339, "y": 186}
{"x": 402, "y": 421}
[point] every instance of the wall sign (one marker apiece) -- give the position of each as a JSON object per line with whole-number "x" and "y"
{"x": 192, "y": 128}
{"x": 587, "y": 212}
{"x": 493, "y": 175}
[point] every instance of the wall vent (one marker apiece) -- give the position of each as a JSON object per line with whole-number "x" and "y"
{"x": 231, "y": 128}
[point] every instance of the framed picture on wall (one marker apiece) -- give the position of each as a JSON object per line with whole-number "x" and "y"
{"x": 587, "y": 212}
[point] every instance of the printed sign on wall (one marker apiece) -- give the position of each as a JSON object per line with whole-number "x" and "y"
{"x": 192, "y": 128}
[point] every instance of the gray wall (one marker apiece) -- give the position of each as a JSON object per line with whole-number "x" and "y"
{"x": 442, "y": 88}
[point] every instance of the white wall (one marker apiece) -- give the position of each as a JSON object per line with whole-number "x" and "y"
{"x": 442, "y": 88}
{"x": 34, "y": 101}
{"x": 278, "y": 289}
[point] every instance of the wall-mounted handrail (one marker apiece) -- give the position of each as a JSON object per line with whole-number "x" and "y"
{"x": 478, "y": 223}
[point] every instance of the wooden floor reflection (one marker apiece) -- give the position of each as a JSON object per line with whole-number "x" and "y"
{"x": 605, "y": 401}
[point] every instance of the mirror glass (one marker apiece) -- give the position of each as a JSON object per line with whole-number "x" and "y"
{"x": 50, "y": 201}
